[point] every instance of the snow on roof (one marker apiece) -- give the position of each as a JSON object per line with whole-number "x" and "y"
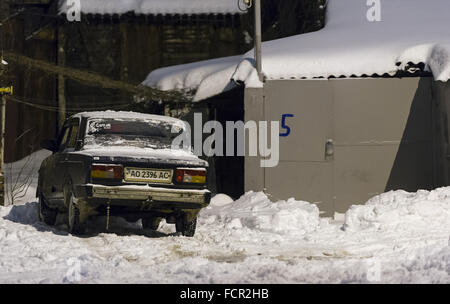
{"x": 205, "y": 78}
{"x": 410, "y": 32}
{"x": 155, "y": 7}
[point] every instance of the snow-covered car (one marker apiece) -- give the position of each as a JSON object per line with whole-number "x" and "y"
{"x": 122, "y": 164}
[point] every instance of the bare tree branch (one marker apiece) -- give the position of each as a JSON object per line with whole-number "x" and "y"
{"x": 96, "y": 79}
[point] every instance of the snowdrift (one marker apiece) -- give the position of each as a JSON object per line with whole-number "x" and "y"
{"x": 402, "y": 211}
{"x": 255, "y": 211}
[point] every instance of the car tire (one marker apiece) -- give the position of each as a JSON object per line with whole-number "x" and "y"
{"x": 151, "y": 223}
{"x": 46, "y": 214}
{"x": 73, "y": 216}
{"x": 186, "y": 228}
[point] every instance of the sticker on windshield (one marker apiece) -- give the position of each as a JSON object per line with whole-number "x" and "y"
{"x": 97, "y": 126}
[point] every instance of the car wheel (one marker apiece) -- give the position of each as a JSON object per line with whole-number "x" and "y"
{"x": 46, "y": 214}
{"x": 184, "y": 227}
{"x": 73, "y": 216}
{"x": 151, "y": 223}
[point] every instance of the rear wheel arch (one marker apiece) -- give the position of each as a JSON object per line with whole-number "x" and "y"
{"x": 75, "y": 217}
{"x": 75, "y": 221}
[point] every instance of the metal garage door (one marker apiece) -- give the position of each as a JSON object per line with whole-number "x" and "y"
{"x": 381, "y": 137}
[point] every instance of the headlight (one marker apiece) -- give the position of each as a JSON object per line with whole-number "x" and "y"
{"x": 197, "y": 176}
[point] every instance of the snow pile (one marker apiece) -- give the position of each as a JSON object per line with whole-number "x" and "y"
{"x": 220, "y": 200}
{"x": 400, "y": 210}
{"x": 155, "y": 7}
{"x": 255, "y": 211}
{"x": 411, "y": 32}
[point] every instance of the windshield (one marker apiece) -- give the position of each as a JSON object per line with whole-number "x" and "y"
{"x": 130, "y": 132}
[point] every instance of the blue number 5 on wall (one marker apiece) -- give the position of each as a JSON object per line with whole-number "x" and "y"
{"x": 284, "y": 125}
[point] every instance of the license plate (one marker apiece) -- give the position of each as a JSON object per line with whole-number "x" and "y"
{"x": 148, "y": 175}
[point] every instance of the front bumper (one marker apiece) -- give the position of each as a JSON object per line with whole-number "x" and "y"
{"x": 144, "y": 193}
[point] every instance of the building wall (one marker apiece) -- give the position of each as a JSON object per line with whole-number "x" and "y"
{"x": 381, "y": 133}
{"x": 253, "y": 111}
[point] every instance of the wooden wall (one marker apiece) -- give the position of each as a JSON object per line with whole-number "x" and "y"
{"x": 26, "y": 125}
{"x": 129, "y": 47}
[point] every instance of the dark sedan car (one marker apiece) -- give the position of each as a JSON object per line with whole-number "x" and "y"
{"x": 123, "y": 164}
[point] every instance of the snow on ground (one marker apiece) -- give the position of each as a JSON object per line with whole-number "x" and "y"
{"x": 410, "y": 31}
{"x": 154, "y": 7}
{"x": 396, "y": 237}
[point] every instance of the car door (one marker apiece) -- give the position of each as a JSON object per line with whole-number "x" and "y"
{"x": 62, "y": 157}
{"x": 51, "y": 171}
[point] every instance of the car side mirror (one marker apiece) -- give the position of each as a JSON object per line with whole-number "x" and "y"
{"x": 49, "y": 144}
{"x": 78, "y": 144}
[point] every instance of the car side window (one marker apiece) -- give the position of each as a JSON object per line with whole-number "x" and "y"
{"x": 73, "y": 137}
{"x": 65, "y": 137}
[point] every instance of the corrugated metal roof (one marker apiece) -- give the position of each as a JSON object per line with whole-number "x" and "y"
{"x": 350, "y": 45}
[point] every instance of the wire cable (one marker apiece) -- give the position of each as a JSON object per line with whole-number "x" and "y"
{"x": 68, "y": 110}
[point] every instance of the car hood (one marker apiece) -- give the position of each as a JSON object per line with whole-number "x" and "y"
{"x": 135, "y": 153}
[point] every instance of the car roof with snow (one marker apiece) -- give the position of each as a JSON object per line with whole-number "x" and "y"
{"x": 131, "y": 115}
{"x": 412, "y": 35}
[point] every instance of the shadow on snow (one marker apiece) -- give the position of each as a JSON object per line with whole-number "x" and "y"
{"x": 28, "y": 214}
